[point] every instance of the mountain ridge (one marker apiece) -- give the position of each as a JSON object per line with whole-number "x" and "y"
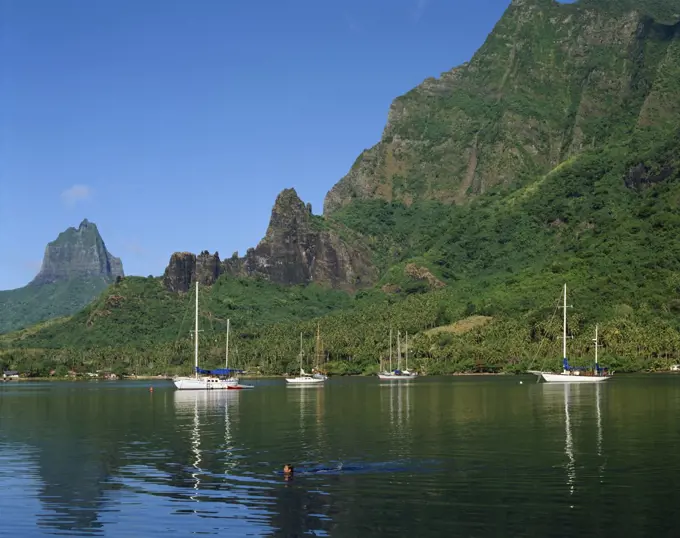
{"x": 550, "y": 157}
{"x": 297, "y": 248}
{"x": 476, "y": 126}
{"x": 76, "y": 267}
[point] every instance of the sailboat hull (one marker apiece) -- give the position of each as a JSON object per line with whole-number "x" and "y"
{"x": 395, "y": 377}
{"x": 304, "y": 380}
{"x": 205, "y": 383}
{"x": 538, "y": 373}
{"x": 572, "y": 378}
{"x": 238, "y": 386}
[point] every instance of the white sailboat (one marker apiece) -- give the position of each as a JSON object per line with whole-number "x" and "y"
{"x": 209, "y": 379}
{"x": 571, "y": 374}
{"x": 304, "y": 378}
{"x": 398, "y": 374}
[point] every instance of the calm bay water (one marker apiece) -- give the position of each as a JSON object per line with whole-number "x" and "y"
{"x": 466, "y": 456}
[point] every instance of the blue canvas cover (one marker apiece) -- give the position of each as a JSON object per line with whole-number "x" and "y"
{"x": 219, "y": 371}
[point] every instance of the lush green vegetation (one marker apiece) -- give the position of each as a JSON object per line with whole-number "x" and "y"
{"x": 664, "y": 10}
{"x": 140, "y": 312}
{"x": 551, "y": 81}
{"x": 606, "y": 221}
{"x": 592, "y": 223}
{"x": 24, "y": 306}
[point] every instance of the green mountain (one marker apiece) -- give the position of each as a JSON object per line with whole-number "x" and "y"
{"x": 76, "y": 268}
{"x": 551, "y": 82}
{"x": 553, "y": 156}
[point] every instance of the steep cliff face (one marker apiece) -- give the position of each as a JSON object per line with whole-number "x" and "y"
{"x": 301, "y": 248}
{"x": 76, "y": 253}
{"x": 185, "y": 268}
{"x": 298, "y": 248}
{"x": 550, "y": 82}
{"x": 76, "y": 267}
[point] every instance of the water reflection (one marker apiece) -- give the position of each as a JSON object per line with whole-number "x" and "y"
{"x": 396, "y": 404}
{"x": 603, "y": 462}
{"x": 564, "y": 393}
{"x": 195, "y": 448}
{"x": 213, "y": 458}
{"x": 599, "y": 419}
{"x": 21, "y": 488}
{"x": 569, "y": 441}
{"x": 67, "y": 463}
{"x": 308, "y": 403}
{"x": 209, "y": 403}
{"x": 120, "y": 461}
{"x": 586, "y": 402}
{"x": 229, "y": 449}
{"x": 400, "y": 404}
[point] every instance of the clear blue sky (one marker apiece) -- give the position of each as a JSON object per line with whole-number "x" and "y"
{"x": 173, "y": 125}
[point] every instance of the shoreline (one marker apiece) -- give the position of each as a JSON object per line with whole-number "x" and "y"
{"x": 283, "y": 376}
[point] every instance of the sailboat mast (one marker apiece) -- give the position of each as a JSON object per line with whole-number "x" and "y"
{"x": 564, "y": 326}
{"x": 196, "y": 336}
{"x": 317, "y": 358}
{"x": 300, "y": 353}
{"x": 406, "y": 350}
{"x": 226, "y": 353}
{"x": 398, "y": 350}
{"x": 390, "y": 349}
{"x": 596, "y": 346}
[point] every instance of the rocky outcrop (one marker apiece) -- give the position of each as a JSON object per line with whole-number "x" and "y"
{"x": 77, "y": 253}
{"x": 551, "y": 81}
{"x": 416, "y": 272}
{"x": 186, "y": 268}
{"x": 301, "y": 248}
{"x": 642, "y": 176}
{"x": 208, "y": 268}
{"x": 413, "y": 279}
{"x": 298, "y": 248}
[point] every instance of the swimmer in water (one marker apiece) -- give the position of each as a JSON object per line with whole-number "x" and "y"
{"x": 288, "y": 471}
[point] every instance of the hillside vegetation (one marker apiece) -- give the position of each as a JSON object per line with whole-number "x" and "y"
{"x": 597, "y": 223}
{"x": 25, "y": 306}
{"x": 552, "y": 158}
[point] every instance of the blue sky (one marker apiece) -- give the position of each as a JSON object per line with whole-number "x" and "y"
{"x": 173, "y": 125}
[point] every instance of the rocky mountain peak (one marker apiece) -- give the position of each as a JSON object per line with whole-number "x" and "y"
{"x": 300, "y": 247}
{"x": 289, "y": 212}
{"x": 78, "y": 253}
{"x": 289, "y": 198}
